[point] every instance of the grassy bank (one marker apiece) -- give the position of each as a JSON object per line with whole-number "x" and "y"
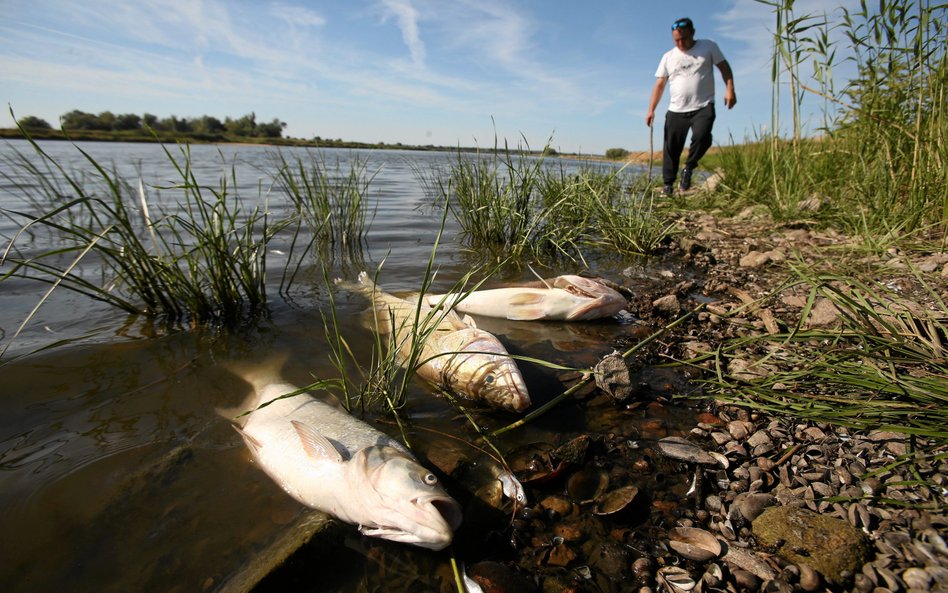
{"x": 879, "y": 167}
{"x": 874, "y": 186}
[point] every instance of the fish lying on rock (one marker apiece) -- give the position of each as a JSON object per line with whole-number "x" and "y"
{"x": 454, "y": 354}
{"x": 564, "y": 298}
{"x": 330, "y": 461}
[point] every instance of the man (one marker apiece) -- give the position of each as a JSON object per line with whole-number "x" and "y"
{"x": 691, "y": 107}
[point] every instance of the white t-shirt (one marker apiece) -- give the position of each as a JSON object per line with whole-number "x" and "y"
{"x": 690, "y": 75}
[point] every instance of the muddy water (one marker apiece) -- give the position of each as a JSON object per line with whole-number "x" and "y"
{"x": 117, "y": 472}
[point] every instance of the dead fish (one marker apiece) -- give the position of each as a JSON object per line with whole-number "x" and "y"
{"x": 330, "y": 461}
{"x": 455, "y": 354}
{"x": 564, "y": 298}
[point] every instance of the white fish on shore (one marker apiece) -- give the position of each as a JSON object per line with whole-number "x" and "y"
{"x": 330, "y": 461}
{"x": 564, "y": 298}
{"x": 455, "y": 355}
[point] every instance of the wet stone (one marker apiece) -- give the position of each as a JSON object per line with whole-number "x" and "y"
{"x": 752, "y": 505}
{"x": 683, "y": 450}
{"x": 831, "y": 546}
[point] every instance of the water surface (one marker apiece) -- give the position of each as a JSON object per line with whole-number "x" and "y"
{"x": 117, "y": 471}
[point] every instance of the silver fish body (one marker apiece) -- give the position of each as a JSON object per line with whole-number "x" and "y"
{"x": 468, "y": 361}
{"x": 330, "y": 461}
{"x": 564, "y": 298}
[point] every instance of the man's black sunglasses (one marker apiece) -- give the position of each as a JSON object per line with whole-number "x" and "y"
{"x": 682, "y": 24}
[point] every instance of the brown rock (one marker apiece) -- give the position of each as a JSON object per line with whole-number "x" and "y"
{"x": 831, "y": 546}
{"x": 667, "y": 305}
{"x": 823, "y": 314}
{"x": 754, "y": 259}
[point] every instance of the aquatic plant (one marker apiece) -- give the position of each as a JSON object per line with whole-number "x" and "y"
{"x": 333, "y": 203}
{"x": 494, "y": 199}
{"x": 633, "y": 225}
{"x": 203, "y": 261}
{"x": 515, "y": 204}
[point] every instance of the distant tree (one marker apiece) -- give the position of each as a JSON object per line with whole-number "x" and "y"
{"x": 106, "y": 121}
{"x": 174, "y": 124}
{"x": 127, "y": 121}
{"x": 245, "y": 126}
{"x": 274, "y": 129}
{"x": 80, "y": 120}
{"x": 31, "y": 122}
{"x": 150, "y": 121}
{"x": 550, "y": 151}
{"x": 616, "y": 153}
{"x": 209, "y": 125}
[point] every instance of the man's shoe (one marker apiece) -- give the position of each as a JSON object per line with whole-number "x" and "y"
{"x": 668, "y": 190}
{"x": 685, "y": 184}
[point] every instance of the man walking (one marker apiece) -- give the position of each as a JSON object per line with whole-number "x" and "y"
{"x": 688, "y": 66}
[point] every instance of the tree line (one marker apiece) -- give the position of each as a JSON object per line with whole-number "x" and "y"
{"x": 246, "y": 126}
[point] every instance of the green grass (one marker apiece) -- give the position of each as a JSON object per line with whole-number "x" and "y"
{"x": 885, "y": 365}
{"x": 879, "y": 166}
{"x": 511, "y": 204}
{"x": 202, "y": 262}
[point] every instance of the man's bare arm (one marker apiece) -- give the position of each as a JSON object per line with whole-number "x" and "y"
{"x": 656, "y": 97}
{"x": 730, "y": 97}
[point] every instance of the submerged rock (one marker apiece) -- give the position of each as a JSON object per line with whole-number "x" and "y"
{"x": 831, "y": 546}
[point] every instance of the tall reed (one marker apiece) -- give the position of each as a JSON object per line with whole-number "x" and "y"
{"x": 519, "y": 206}
{"x": 333, "y": 202}
{"x": 202, "y": 261}
{"x": 881, "y": 162}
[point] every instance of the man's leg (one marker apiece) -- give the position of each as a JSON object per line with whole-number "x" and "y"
{"x": 676, "y": 131}
{"x": 701, "y": 125}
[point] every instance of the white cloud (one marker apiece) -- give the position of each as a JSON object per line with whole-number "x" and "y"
{"x": 406, "y": 16}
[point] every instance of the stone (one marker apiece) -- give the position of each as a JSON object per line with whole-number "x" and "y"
{"x": 831, "y": 546}
{"x": 612, "y": 376}
{"x": 692, "y": 246}
{"x": 739, "y": 429}
{"x": 823, "y": 314}
{"x": 667, "y": 304}
{"x": 754, "y": 259}
{"x": 752, "y": 505}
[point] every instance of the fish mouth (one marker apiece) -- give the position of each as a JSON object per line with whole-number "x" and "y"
{"x": 431, "y": 526}
{"x": 598, "y": 307}
{"x": 449, "y": 510}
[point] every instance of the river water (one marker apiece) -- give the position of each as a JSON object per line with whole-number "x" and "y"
{"x": 117, "y": 473}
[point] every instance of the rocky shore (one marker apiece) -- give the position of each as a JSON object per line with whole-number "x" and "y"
{"x": 747, "y": 500}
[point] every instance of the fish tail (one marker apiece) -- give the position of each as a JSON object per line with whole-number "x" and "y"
{"x": 259, "y": 373}
{"x": 363, "y": 284}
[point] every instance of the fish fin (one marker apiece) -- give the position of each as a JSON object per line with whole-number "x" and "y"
{"x": 315, "y": 444}
{"x": 252, "y": 443}
{"x": 525, "y": 307}
{"x": 526, "y": 314}
{"x": 525, "y": 298}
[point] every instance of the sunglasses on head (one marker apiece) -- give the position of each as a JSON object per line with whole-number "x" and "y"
{"x": 682, "y": 24}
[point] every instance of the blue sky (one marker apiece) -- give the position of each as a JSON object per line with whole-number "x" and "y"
{"x": 443, "y": 72}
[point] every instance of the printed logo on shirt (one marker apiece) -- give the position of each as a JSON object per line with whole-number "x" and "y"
{"x": 687, "y": 66}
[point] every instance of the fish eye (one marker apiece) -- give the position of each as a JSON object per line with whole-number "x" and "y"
{"x": 431, "y": 479}
{"x": 489, "y": 379}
